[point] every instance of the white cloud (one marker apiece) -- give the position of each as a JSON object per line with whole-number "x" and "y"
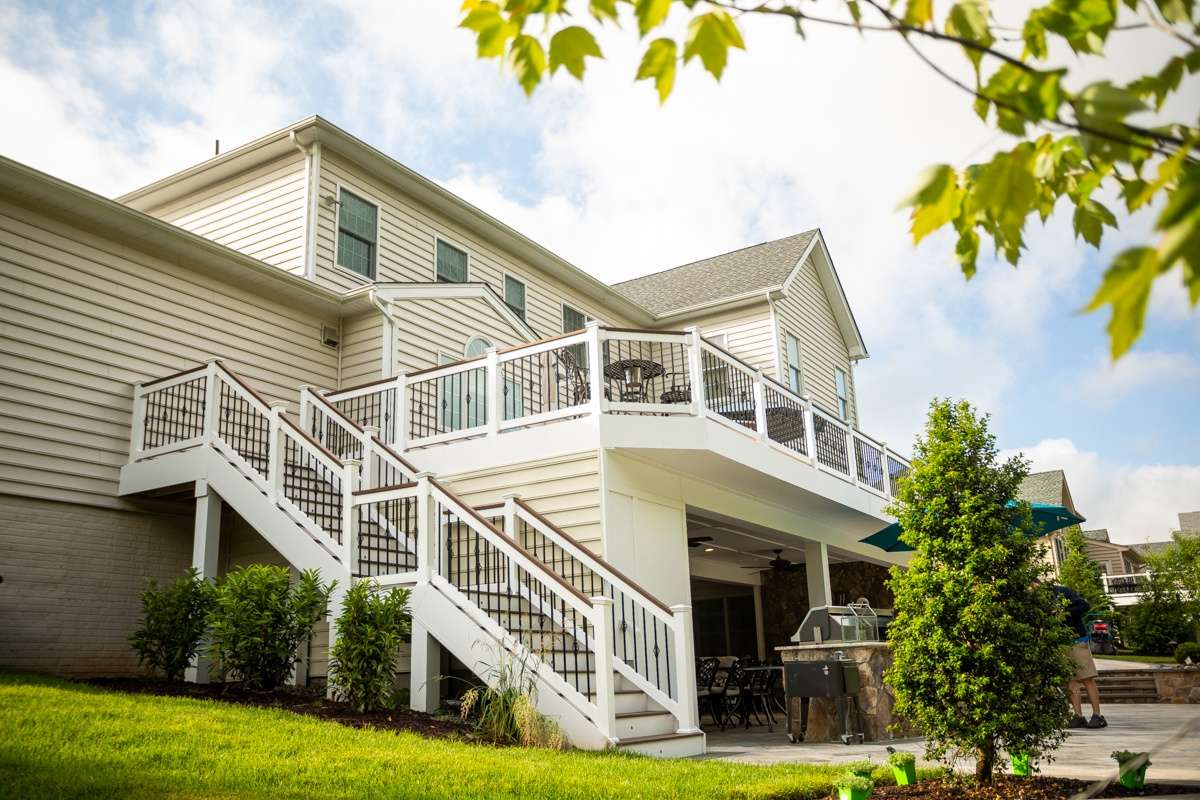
{"x": 1135, "y": 503}
{"x": 1106, "y": 382}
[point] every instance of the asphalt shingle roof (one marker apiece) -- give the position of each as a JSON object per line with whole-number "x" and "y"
{"x": 1098, "y": 535}
{"x": 1044, "y": 487}
{"x": 759, "y": 267}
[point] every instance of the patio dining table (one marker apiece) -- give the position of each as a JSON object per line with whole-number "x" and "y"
{"x": 633, "y": 374}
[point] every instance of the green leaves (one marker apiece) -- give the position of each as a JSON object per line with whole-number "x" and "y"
{"x": 492, "y": 30}
{"x": 1102, "y": 108}
{"x": 569, "y": 47}
{"x": 650, "y": 14}
{"x": 918, "y": 12}
{"x": 1126, "y": 287}
{"x": 935, "y": 202}
{"x": 528, "y": 61}
{"x": 658, "y": 64}
{"x": 1021, "y": 96}
{"x": 710, "y": 36}
{"x": 1090, "y": 219}
{"x": 968, "y": 20}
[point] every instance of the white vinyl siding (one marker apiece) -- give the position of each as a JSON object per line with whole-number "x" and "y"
{"x": 806, "y": 313}
{"x": 361, "y": 349}
{"x": 407, "y": 234}
{"x": 260, "y": 213}
{"x": 747, "y": 334}
{"x": 425, "y": 328}
{"x": 83, "y": 318}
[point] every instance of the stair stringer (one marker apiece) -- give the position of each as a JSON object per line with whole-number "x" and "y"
{"x": 474, "y": 641}
{"x": 289, "y": 538}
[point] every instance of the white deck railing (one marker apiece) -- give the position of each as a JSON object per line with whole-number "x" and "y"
{"x": 1132, "y": 583}
{"x": 619, "y": 372}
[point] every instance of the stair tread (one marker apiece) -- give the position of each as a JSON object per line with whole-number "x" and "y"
{"x": 658, "y": 737}
{"x": 647, "y": 713}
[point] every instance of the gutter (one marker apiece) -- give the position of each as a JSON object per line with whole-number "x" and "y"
{"x": 389, "y": 336}
{"x": 312, "y": 187}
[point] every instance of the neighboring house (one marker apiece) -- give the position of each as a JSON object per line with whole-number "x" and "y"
{"x": 409, "y": 389}
{"x": 1050, "y": 487}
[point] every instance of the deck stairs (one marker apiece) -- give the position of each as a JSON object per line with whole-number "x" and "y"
{"x": 495, "y": 586}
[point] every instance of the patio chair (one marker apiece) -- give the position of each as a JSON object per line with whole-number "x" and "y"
{"x": 706, "y": 673}
{"x": 757, "y": 696}
{"x": 680, "y": 391}
{"x": 728, "y": 701}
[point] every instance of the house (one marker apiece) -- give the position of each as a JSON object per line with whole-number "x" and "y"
{"x": 302, "y": 352}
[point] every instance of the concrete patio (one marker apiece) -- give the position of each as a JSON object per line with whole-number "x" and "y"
{"x": 1084, "y": 755}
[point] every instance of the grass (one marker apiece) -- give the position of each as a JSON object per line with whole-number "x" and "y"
{"x": 62, "y": 739}
{"x": 1141, "y": 659}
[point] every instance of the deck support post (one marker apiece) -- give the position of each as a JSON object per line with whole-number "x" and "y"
{"x": 425, "y": 670}
{"x": 206, "y": 550}
{"x": 685, "y": 670}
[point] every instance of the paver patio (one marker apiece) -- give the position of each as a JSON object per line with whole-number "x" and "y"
{"x": 1084, "y": 755}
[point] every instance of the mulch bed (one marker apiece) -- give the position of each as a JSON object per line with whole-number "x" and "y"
{"x": 1010, "y": 788}
{"x": 308, "y": 701}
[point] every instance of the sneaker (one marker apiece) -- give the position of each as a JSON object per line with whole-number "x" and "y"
{"x": 1078, "y": 722}
{"x": 1097, "y": 721}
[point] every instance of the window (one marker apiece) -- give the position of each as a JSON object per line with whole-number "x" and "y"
{"x": 464, "y": 394}
{"x": 573, "y": 320}
{"x": 843, "y": 397}
{"x": 358, "y": 230}
{"x": 451, "y": 263}
{"x": 795, "y": 380}
{"x": 514, "y": 295}
{"x": 1060, "y": 553}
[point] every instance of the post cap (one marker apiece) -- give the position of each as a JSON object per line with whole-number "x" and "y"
{"x": 680, "y": 607}
{"x": 601, "y": 600}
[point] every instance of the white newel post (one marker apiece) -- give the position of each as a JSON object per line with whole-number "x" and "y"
{"x": 760, "y": 405}
{"x": 400, "y": 421}
{"x": 685, "y": 669}
{"x": 696, "y": 371}
{"x": 368, "y": 479}
{"x": 606, "y": 698}
{"x": 351, "y": 470}
{"x": 510, "y": 530}
{"x": 810, "y": 427}
{"x": 137, "y": 428}
{"x": 306, "y": 407}
{"x": 883, "y": 464}
{"x": 595, "y": 368}
{"x": 495, "y": 392}
{"x": 276, "y": 451}
{"x": 212, "y": 400}
{"x": 851, "y": 463}
{"x": 426, "y": 530}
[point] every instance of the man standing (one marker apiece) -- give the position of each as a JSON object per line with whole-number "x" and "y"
{"x": 1085, "y": 665}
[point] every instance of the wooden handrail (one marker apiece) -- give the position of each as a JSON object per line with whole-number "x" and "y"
{"x": 366, "y": 385}
{"x": 324, "y": 450}
{"x": 404, "y": 462}
{"x": 641, "y": 330}
{"x": 630, "y": 582}
{"x": 337, "y": 411}
{"x": 535, "y": 342}
{"x": 233, "y": 376}
{"x": 446, "y": 366}
{"x": 482, "y": 521}
{"x": 173, "y": 376}
{"x": 394, "y": 486}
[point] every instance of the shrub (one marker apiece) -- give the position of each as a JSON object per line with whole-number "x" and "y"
{"x": 1159, "y": 620}
{"x": 507, "y": 707}
{"x": 854, "y": 782}
{"x": 863, "y": 768}
{"x": 260, "y": 618}
{"x": 174, "y": 619}
{"x": 1187, "y": 650}
{"x": 362, "y": 664}
{"x": 978, "y": 639}
{"x": 902, "y": 758}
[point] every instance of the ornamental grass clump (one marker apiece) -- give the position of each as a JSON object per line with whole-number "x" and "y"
{"x": 259, "y": 619}
{"x": 978, "y": 641}
{"x": 174, "y": 619}
{"x": 362, "y": 663}
{"x": 505, "y": 709}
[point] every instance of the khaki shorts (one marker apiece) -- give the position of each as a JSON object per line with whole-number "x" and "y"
{"x": 1085, "y": 666}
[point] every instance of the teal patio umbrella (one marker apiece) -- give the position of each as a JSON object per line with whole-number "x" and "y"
{"x": 1047, "y": 518}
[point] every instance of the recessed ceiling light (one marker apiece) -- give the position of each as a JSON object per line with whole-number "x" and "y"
{"x": 709, "y": 549}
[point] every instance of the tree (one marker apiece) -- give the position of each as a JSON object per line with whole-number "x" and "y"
{"x": 1076, "y": 144}
{"x": 979, "y": 642}
{"x": 1159, "y": 619}
{"x": 362, "y": 663}
{"x": 1079, "y": 572}
{"x": 1179, "y": 565}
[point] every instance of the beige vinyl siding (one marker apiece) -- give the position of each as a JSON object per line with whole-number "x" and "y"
{"x": 361, "y": 348}
{"x": 1111, "y": 557}
{"x": 407, "y": 232}
{"x": 260, "y": 212}
{"x": 425, "y": 328}
{"x": 806, "y": 313}
{"x": 83, "y": 318}
{"x": 565, "y": 489}
{"x": 748, "y": 334}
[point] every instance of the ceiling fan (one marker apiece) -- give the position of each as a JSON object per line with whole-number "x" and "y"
{"x": 696, "y": 541}
{"x": 779, "y": 563}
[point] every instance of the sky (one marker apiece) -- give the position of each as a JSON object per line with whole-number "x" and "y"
{"x": 830, "y": 131}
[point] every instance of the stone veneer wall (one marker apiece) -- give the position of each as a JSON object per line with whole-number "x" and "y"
{"x": 785, "y": 595}
{"x": 1178, "y": 684}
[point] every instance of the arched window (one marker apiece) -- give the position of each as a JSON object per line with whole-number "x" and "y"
{"x": 477, "y": 346}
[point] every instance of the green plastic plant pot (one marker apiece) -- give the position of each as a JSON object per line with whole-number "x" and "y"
{"x": 906, "y": 775}
{"x": 1020, "y": 764}
{"x": 853, "y": 794}
{"x": 1134, "y": 778}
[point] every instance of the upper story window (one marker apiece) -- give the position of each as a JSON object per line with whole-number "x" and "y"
{"x": 358, "y": 232}
{"x": 795, "y": 380}
{"x": 514, "y": 295}
{"x": 1060, "y": 552}
{"x": 572, "y": 320}
{"x": 840, "y": 384}
{"x": 451, "y": 263}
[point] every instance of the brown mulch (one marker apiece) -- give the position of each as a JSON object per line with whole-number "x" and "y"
{"x": 1010, "y": 788}
{"x": 309, "y": 701}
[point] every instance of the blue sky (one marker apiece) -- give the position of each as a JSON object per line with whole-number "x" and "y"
{"x": 827, "y": 132}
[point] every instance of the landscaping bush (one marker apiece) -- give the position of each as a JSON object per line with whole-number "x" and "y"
{"x": 506, "y": 708}
{"x": 1159, "y": 620}
{"x": 174, "y": 619}
{"x": 362, "y": 663}
{"x": 259, "y": 619}
{"x": 1187, "y": 650}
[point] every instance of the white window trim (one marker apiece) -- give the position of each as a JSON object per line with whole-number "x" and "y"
{"x": 338, "y": 185}
{"x": 437, "y": 237}
{"x": 787, "y": 361}
{"x": 562, "y": 316}
{"x": 504, "y": 276}
{"x": 849, "y": 415}
{"x": 475, "y": 337}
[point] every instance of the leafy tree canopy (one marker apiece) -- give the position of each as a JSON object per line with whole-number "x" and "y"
{"x": 979, "y": 641}
{"x": 1079, "y": 572}
{"x": 1178, "y": 565}
{"x": 1076, "y": 144}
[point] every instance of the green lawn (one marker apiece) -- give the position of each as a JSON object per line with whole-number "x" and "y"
{"x": 60, "y": 739}
{"x": 1141, "y": 659}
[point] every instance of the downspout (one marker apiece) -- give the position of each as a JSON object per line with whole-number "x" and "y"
{"x": 388, "y": 367}
{"x": 312, "y": 187}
